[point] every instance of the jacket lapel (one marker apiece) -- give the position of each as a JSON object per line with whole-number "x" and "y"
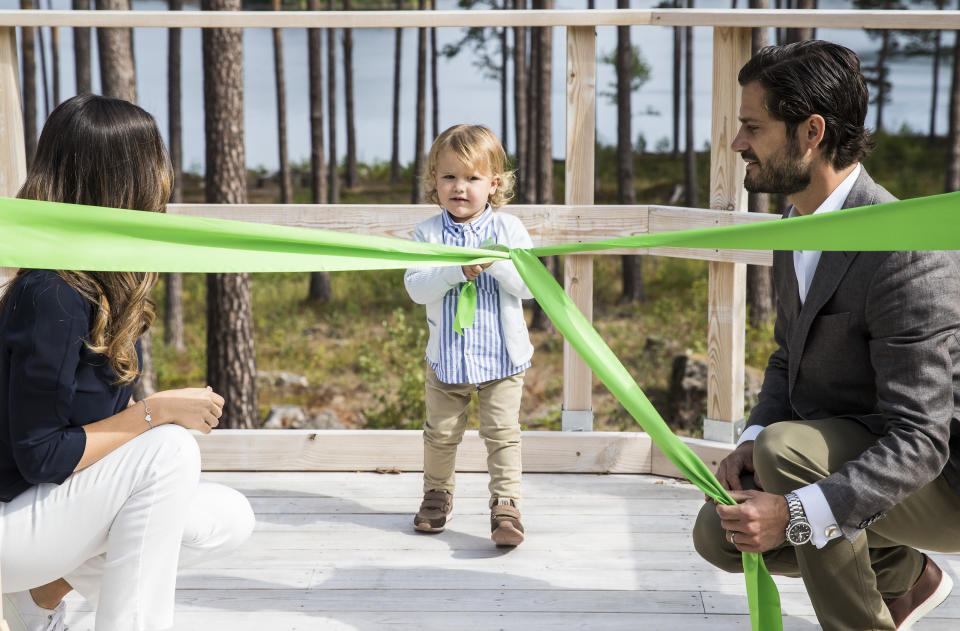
{"x": 831, "y": 269}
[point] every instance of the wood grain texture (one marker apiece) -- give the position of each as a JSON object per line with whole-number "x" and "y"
{"x": 727, "y": 281}
{"x": 578, "y": 189}
{"x": 367, "y": 450}
{"x": 743, "y": 18}
{"x": 547, "y": 224}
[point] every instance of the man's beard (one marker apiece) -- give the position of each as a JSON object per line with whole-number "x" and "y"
{"x": 782, "y": 173}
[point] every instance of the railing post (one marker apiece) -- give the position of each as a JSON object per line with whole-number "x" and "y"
{"x": 727, "y": 310}
{"x": 13, "y": 162}
{"x": 577, "y": 412}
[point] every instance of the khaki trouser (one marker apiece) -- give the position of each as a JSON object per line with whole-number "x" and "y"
{"x": 499, "y": 408}
{"x": 846, "y": 581}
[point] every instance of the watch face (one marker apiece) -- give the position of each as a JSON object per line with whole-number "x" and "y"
{"x": 799, "y": 533}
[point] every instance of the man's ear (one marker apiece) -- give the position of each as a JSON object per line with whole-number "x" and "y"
{"x": 811, "y": 131}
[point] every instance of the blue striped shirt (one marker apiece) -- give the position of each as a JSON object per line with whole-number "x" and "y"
{"x": 479, "y": 354}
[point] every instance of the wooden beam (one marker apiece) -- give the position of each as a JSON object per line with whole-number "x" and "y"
{"x": 727, "y": 301}
{"x": 13, "y": 161}
{"x": 548, "y": 225}
{"x": 742, "y": 18}
{"x": 368, "y": 450}
{"x": 577, "y": 412}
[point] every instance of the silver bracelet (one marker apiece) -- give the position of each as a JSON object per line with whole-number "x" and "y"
{"x": 146, "y": 415}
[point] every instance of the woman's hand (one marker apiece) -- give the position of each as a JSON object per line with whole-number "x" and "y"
{"x": 193, "y": 408}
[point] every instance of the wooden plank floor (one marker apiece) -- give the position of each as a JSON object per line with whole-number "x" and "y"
{"x": 336, "y": 551}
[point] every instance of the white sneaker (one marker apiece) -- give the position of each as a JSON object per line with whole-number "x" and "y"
{"x": 23, "y": 614}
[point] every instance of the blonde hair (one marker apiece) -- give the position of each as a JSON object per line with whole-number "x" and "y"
{"x": 477, "y": 147}
{"x": 104, "y": 152}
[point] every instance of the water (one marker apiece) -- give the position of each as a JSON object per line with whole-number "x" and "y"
{"x": 466, "y": 95}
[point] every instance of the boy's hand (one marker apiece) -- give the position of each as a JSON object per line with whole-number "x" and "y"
{"x": 472, "y": 271}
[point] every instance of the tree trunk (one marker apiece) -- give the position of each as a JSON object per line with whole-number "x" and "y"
{"x": 882, "y": 72}
{"x": 690, "y": 155}
{"x": 320, "y": 290}
{"x": 28, "y": 47}
{"x": 117, "y": 78}
{"x": 434, "y": 79}
{"x": 935, "y": 85}
{"x": 632, "y": 278}
{"x": 173, "y": 315}
{"x": 418, "y": 158}
{"x": 520, "y": 101}
{"x": 677, "y": 72}
{"x": 351, "y": 166}
{"x": 533, "y": 128}
{"x": 801, "y": 34}
{"x": 44, "y": 81}
{"x": 759, "y": 279}
{"x": 333, "y": 179}
{"x": 544, "y": 140}
{"x": 544, "y": 150}
{"x": 286, "y": 184}
{"x": 231, "y": 366}
{"x": 395, "y": 145}
{"x": 953, "y": 135}
{"x": 55, "y": 64}
{"x": 504, "y": 93}
{"x": 81, "y": 50}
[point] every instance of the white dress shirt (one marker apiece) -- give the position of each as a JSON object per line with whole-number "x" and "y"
{"x": 821, "y": 518}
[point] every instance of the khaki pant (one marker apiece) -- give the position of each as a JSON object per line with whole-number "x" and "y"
{"x": 499, "y": 408}
{"x": 846, "y": 581}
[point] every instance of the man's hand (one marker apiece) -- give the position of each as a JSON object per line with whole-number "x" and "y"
{"x": 757, "y": 523}
{"x": 737, "y": 463}
{"x": 472, "y": 271}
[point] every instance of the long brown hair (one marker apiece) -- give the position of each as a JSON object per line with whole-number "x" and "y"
{"x": 100, "y": 151}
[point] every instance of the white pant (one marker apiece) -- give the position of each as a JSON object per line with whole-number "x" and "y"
{"x": 117, "y": 529}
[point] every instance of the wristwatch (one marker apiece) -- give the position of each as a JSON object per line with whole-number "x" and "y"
{"x": 798, "y": 529}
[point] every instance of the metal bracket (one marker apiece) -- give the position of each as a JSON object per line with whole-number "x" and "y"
{"x": 723, "y": 431}
{"x": 576, "y": 420}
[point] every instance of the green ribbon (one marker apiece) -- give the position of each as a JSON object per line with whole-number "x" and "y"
{"x": 64, "y": 236}
{"x": 466, "y": 307}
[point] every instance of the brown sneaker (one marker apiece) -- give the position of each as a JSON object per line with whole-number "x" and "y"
{"x": 931, "y": 589}
{"x": 434, "y": 510}
{"x": 505, "y": 526}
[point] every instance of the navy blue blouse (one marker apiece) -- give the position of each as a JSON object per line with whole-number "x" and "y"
{"x": 51, "y": 384}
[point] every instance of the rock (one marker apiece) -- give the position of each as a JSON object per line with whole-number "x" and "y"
{"x": 324, "y": 419}
{"x": 294, "y": 417}
{"x": 280, "y": 378}
{"x": 284, "y": 416}
{"x": 687, "y": 397}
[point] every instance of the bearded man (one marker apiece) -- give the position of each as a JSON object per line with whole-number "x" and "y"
{"x": 851, "y": 459}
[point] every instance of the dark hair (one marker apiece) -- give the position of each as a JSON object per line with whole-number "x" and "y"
{"x": 100, "y": 151}
{"x": 816, "y": 77}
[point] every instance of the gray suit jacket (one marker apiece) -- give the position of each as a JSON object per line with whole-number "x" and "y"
{"x": 876, "y": 341}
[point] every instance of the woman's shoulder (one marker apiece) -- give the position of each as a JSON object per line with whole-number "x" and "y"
{"x": 45, "y": 291}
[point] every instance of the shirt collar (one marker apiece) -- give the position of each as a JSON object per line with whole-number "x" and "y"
{"x": 836, "y": 199}
{"x": 477, "y": 226}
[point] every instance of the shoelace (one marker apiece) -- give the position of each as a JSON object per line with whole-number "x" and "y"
{"x": 57, "y": 620}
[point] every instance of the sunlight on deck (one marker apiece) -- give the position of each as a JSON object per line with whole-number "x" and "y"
{"x": 337, "y": 551}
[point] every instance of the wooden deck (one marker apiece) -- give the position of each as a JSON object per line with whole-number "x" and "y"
{"x": 336, "y": 551}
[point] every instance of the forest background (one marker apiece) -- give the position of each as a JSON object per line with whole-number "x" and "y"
{"x": 346, "y": 349}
